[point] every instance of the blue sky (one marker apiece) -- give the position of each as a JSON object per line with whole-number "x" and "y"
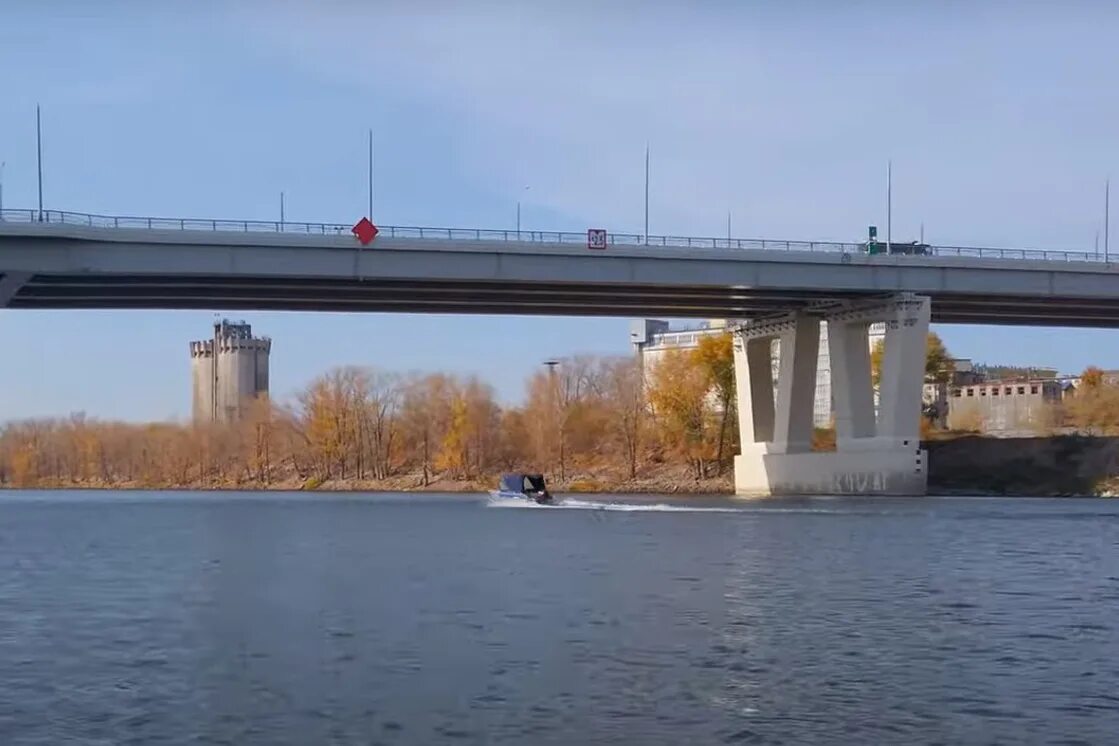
{"x": 1000, "y": 120}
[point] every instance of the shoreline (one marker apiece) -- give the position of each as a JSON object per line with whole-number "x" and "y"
{"x": 972, "y": 466}
{"x": 466, "y": 490}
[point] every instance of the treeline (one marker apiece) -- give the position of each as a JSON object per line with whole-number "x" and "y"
{"x": 1091, "y": 409}
{"x": 586, "y": 417}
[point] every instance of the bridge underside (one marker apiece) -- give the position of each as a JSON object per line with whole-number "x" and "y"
{"x": 107, "y": 291}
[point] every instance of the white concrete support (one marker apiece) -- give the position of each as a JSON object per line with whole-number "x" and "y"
{"x": 903, "y": 372}
{"x": 796, "y": 385}
{"x": 874, "y": 455}
{"x": 10, "y": 283}
{"x": 753, "y": 372}
{"x": 851, "y": 384}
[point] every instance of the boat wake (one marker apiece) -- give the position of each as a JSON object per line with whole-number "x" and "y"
{"x": 573, "y": 504}
{"x": 568, "y": 503}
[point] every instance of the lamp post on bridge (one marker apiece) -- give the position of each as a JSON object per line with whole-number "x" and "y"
{"x": 39, "y": 155}
{"x": 519, "y": 213}
{"x": 889, "y": 204}
{"x": 1106, "y": 219}
{"x": 370, "y": 173}
{"x": 646, "y": 194}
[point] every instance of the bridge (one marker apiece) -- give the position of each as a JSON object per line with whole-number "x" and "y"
{"x": 778, "y": 290}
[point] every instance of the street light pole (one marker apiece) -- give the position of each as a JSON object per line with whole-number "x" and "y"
{"x": 889, "y": 204}
{"x": 281, "y": 211}
{"x": 646, "y": 194}
{"x": 39, "y": 155}
{"x": 370, "y": 173}
{"x": 519, "y": 212}
{"x": 2, "y": 164}
{"x": 1106, "y": 219}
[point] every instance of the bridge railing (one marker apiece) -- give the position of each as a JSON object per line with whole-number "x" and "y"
{"x": 480, "y": 234}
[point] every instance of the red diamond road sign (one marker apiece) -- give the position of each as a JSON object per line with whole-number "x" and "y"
{"x": 365, "y": 231}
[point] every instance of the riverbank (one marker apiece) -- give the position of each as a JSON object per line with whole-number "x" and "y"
{"x": 1062, "y": 466}
{"x": 661, "y": 480}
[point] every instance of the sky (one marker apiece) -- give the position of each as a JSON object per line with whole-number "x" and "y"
{"x": 999, "y": 118}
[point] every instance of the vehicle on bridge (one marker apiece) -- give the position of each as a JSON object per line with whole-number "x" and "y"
{"x": 908, "y": 247}
{"x": 527, "y": 487}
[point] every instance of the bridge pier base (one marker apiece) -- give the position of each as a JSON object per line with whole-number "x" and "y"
{"x": 876, "y": 453}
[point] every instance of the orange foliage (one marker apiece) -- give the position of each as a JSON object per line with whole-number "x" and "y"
{"x": 581, "y": 417}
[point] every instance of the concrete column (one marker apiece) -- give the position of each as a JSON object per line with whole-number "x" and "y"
{"x": 903, "y": 372}
{"x": 10, "y": 283}
{"x": 753, "y": 374}
{"x": 796, "y": 386}
{"x": 852, "y": 387}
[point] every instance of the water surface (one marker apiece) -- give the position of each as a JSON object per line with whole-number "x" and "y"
{"x": 317, "y": 619}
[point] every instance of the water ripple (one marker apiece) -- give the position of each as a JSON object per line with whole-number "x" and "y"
{"x": 300, "y": 620}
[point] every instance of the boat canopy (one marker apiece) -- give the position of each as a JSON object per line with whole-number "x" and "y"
{"x": 522, "y": 483}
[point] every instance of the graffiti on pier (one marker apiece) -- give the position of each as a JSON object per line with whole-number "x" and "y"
{"x": 859, "y": 482}
{"x": 842, "y": 483}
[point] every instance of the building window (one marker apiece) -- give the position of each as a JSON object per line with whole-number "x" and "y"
{"x": 1021, "y": 390}
{"x": 995, "y": 391}
{"x": 1033, "y": 389}
{"x": 1009, "y": 390}
{"x": 957, "y": 393}
{"x": 971, "y": 392}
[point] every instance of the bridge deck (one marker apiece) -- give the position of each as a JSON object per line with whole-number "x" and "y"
{"x": 64, "y": 264}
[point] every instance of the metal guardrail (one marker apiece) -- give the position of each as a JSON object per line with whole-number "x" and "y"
{"x": 478, "y": 234}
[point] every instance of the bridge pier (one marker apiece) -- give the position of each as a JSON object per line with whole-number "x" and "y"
{"x": 876, "y": 453}
{"x": 10, "y": 283}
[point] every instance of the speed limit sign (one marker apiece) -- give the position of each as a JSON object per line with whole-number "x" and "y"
{"x": 596, "y": 238}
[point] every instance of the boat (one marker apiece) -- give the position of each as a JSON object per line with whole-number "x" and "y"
{"x": 527, "y": 487}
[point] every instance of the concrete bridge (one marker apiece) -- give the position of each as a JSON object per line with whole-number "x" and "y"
{"x": 777, "y": 289}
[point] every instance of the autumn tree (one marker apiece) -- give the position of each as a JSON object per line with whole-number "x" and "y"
{"x": 1091, "y": 379}
{"x": 324, "y": 423}
{"x": 425, "y": 416}
{"x": 452, "y": 455}
{"x": 678, "y": 392}
{"x": 624, "y": 402}
{"x": 939, "y": 366}
{"x": 483, "y": 422}
{"x": 1094, "y": 406}
{"x": 714, "y": 355}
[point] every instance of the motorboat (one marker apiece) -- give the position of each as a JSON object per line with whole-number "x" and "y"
{"x": 528, "y": 487}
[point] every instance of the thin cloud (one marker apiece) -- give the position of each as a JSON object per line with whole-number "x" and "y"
{"x": 785, "y": 117}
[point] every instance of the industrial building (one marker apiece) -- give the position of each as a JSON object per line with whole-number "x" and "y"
{"x": 228, "y": 372}
{"x": 1008, "y": 408}
{"x": 652, "y": 339}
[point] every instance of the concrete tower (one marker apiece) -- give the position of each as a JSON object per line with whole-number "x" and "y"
{"x": 228, "y": 372}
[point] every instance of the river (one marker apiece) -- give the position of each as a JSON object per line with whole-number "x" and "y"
{"x": 178, "y": 618}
